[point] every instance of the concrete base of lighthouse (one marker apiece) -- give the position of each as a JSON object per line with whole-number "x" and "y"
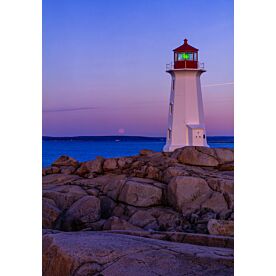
{"x": 195, "y": 137}
{"x": 171, "y": 148}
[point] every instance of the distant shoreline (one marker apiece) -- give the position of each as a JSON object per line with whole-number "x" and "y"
{"x": 214, "y": 139}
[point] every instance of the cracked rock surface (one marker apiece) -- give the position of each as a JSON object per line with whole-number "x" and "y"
{"x": 96, "y": 253}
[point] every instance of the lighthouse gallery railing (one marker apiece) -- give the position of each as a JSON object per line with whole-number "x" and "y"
{"x": 170, "y": 66}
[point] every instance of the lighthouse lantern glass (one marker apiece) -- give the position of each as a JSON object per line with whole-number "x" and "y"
{"x": 185, "y": 56}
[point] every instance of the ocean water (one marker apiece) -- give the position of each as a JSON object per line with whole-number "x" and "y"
{"x": 87, "y": 148}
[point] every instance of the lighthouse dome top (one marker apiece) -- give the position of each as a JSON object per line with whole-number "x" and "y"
{"x": 186, "y": 47}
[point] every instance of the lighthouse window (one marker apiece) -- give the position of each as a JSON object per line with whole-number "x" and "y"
{"x": 169, "y": 133}
{"x": 185, "y": 56}
{"x": 171, "y": 108}
{"x": 175, "y": 56}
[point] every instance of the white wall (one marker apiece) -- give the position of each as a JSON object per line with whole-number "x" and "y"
{"x": 187, "y": 107}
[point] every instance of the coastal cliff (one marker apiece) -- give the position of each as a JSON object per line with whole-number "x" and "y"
{"x": 97, "y": 213}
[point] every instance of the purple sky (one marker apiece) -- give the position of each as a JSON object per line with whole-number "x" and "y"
{"x": 104, "y": 64}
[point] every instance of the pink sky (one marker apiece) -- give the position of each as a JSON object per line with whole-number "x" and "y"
{"x": 105, "y": 74}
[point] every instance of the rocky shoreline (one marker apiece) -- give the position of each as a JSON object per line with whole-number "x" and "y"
{"x": 183, "y": 199}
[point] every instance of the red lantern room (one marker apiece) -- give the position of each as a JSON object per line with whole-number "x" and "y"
{"x": 185, "y": 56}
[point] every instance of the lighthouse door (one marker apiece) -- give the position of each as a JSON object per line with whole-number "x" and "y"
{"x": 198, "y": 138}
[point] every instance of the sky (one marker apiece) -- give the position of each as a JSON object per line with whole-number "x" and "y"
{"x": 104, "y": 64}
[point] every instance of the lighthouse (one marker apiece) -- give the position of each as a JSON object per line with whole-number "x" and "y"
{"x": 186, "y": 118}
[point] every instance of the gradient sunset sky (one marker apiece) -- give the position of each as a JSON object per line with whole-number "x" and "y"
{"x": 104, "y": 64}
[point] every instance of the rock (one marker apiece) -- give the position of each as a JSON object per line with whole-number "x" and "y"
{"x": 228, "y": 173}
{"x": 98, "y": 225}
{"x": 110, "y": 164}
{"x": 65, "y": 195}
{"x": 65, "y": 160}
{"x": 108, "y": 184}
{"x": 68, "y": 169}
{"x": 124, "y": 162}
{"x": 215, "y": 202}
{"x": 137, "y": 164}
{"x": 160, "y": 161}
{"x": 91, "y": 175}
{"x": 82, "y": 170}
{"x": 226, "y": 167}
{"x": 183, "y": 237}
{"x": 153, "y": 191}
{"x": 111, "y": 185}
{"x": 94, "y": 253}
{"x": 46, "y": 171}
{"x": 160, "y": 185}
{"x": 55, "y": 170}
{"x": 140, "y": 172}
{"x": 118, "y": 211}
{"x": 140, "y": 194}
{"x": 50, "y": 170}
{"x": 184, "y": 190}
{"x": 146, "y": 152}
{"x": 227, "y": 186}
{"x": 214, "y": 184}
{"x": 202, "y": 215}
{"x": 221, "y": 185}
{"x": 83, "y": 212}
{"x": 152, "y": 226}
{"x": 225, "y": 215}
{"x": 221, "y": 227}
{"x": 92, "y": 166}
{"x": 129, "y": 211}
{"x": 59, "y": 179}
{"x": 115, "y": 223}
{"x": 224, "y": 155}
{"x": 153, "y": 172}
{"x": 168, "y": 220}
{"x": 199, "y": 220}
{"x": 50, "y": 213}
{"x": 95, "y": 166}
{"x": 198, "y": 156}
{"x": 142, "y": 218}
{"x": 229, "y": 198}
{"x": 107, "y": 206}
{"x": 93, "y": 192}
{"x": 170, "y": 172}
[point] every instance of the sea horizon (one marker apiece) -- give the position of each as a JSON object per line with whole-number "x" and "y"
{"x": 124, "y": 137}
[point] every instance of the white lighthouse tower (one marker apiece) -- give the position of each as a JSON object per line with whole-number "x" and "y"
{"x": 186, "y": 118}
